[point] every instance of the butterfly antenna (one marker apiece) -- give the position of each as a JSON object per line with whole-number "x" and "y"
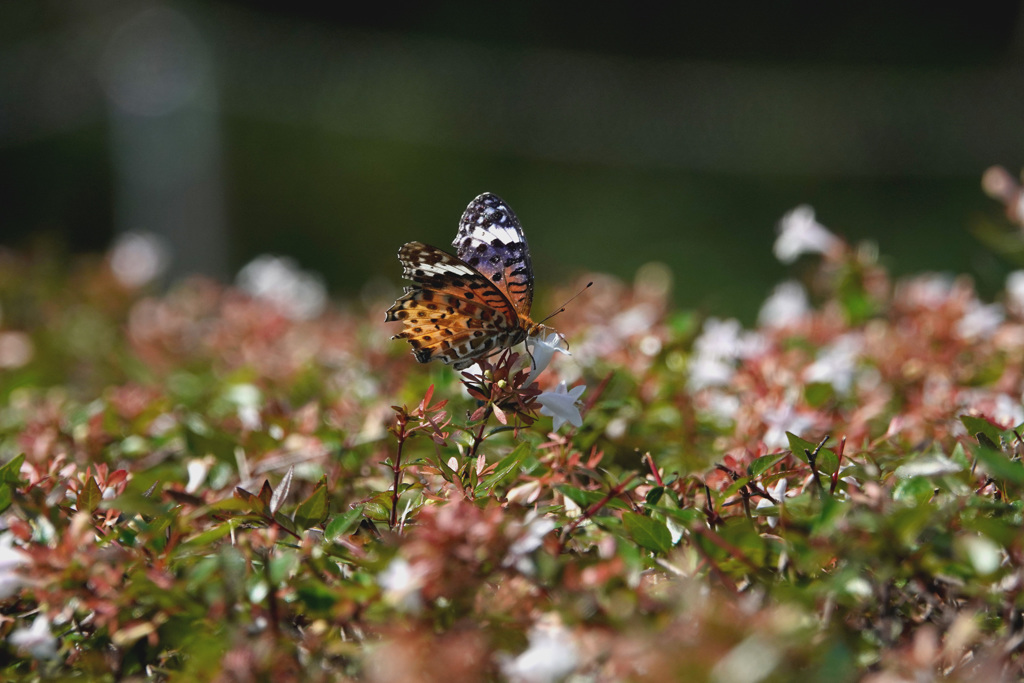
{"x": 562, "y": 307}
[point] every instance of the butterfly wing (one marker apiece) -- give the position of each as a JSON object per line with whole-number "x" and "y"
{"x": 491, "y": 240}
{"x": 453, "y": 313}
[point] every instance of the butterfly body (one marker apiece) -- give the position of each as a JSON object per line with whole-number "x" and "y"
{"x": 462, "y": 308}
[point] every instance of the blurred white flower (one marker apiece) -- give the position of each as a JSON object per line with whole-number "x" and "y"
{"x": 560, "y": 405}
{"x": 524, "y": 494}
{"x": 543, "y": 350}
{"x": 984, "y": 554}
{"x": 720, "y": 339}
{"x": 299, "y": 294}
{"x": 1015, "y": 291}
{"x": 16, "y": 349}
{"x": 751, "y": 661}
{"x": 37, "y": 639}
{"x": 197, "y": 468}
{"x": 720, "y": 407}
{"x": 550, "y": 657}
{"x": 786, "y": 306}
{"x": 928, "y": 291}
{"x": 401, "y": 583}
{"x": 837, "y": 363}
{"x": 536, "y": 528}
{"x": 720, "y": 344}
{"x": 778, "y": 492}
{"x": 979, "y": 321}
{"x": 1008, "y": 410}
{"x": 784, "y": 419}
{"x": 708, "y": 371}
{"x": 800, "y": 233}
{"x": 138, "y": 258}
{"x": 10, "y": 560}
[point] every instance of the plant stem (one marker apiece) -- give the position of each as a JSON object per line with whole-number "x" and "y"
{"x": 397, "y": 470}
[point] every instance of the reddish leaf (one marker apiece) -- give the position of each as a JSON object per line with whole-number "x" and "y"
{"x": 90, "y": 496}
{"x": 267, "y": 492}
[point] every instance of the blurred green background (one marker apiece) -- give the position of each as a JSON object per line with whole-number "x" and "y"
{"x": 336, "y": 133}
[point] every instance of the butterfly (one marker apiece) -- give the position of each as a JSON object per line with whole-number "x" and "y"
{"x": 466, "y": 307}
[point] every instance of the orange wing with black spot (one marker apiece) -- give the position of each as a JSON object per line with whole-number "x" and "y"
{"x": 453, "y": 313}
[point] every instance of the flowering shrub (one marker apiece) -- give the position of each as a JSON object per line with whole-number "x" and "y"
{"x": 205, "y": 485}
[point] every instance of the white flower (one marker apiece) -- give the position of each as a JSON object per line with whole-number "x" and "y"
{"x": 720, "y": 407}
{"x": 1015, "y": 290}
{"x": 778, "y": 492}
{"x": 16, "y": 349}
{"x": 720, "y": 344}
{"x": 781, "y": 420}
{"x": 10, "y": 560}
{"x": 542, "y": 351}
{"x": 720, "y": 339}
{"x": 708, "y": 371}
{"x": 138, "y": 258}
{"x": 401, "y": 583}
{"x": 836, "y": 363}
{"x": 786, "y": 305}
{"x": 979, "y": 321}
{"x": 37, "y": 639}
{"x": 299, "y": 294}
{"x": 1008, "y": 410}
{"x": 550, "y": 657}
{"x": 537, "y": 528}
{"x": 197, "y": 469}
{"x": 800, "y": 234}
{"x": 929, "y": 291}
{"x": 560, "y": 405}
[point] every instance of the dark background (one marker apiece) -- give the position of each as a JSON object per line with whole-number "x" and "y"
{"x": 619, "y": 137}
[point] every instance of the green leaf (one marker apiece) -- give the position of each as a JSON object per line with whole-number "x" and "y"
{"x": 5, "y": 496}
{"x": 90, "y": 496}
{"x": 999, "y": 467}
{"x": 977, "y": 425}
{"x": 582, "y": 498}
{"x": 649, "y": 533}
{"x": 585, "y": 499}
{"x": 316, "y": 596}
{"x": 11, "y": 470}
{"x": 763, "y": 464}
{"x": 312, "y": 511}
{"x": 377, "y": 511}
{"x": 199, "y": 542}
{"x": 687, "y": 516}
{"x": 915, "y": 490}
{"x": 505, "y": 467}
{"x": 654, "y": 495}
{"x": 827, "y": 461}
{"x": 341, "y": 524}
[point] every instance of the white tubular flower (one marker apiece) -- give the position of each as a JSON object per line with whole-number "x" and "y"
{"x": 300, "y": 295}
{"x": 560, "y": 405}
{"x": 37, "y": 639}
{"x": 800, "y": 234}
{"x": 543, "y": 350}
{"x": 10, "y": 560}
{"x": 787, "y": 305}
{"x": 401, "y": 583}
{"x": 1015, "y": 291}
{"x": 980, "y": 321}
{"x": 778, "y": 492}
{"x": 551, "y": 656}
